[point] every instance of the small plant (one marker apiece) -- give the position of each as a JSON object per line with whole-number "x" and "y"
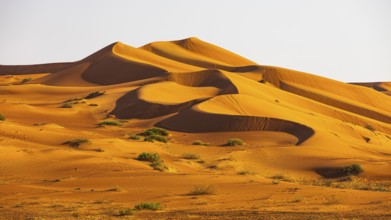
{"x": 158, "y": 165}
{"x": 200, "y": 143}
{"x": 202, "y": 190}
{"x": 75, "y": 143}
{"x": 26, "y": 80}
{"x": 190, "y": 156}
{"x": 150, "y": 157}
{"x": 148, "y": 206}
{"x": 66, "y": 105}
{"x": 234, "y": 142}
{"x": 123, "y": 212}
{"x": 110, "y": 123}
{"x": 353, "y": 169}
{"x": 154, "y": 131}
{"x": 2, "y": 117}
{"x": 93, "y": 104}
{"x": 95, "y": 94}
{"x": 370, "y": 127}
{"x": 156, "y": 137}
{"x": 136, "y": 137}
{"x": 262, "y": 81}
{"x": 280, "y": 177}
{"x": 100, "y": 150}
{"x": 246, "y": 172}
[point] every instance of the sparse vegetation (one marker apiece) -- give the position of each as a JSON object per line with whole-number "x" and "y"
{"x": 26, "y": 80}
{"x": 100, "y": 150}
{"x": 370, "y": 127}
{"x": 200, "y": 143}
{"x": 202, "y": 190}
{"x": 353, "y": 169}
{"x": 148, "y": 206}
{"x": 110, "y": 123}
{"x": 148, "y": 156}
{"x": 246, "y": 172}
{"x": 136, "y": 137}
{"x": 154, "y": 131}
{"x": 155, "y": 134}
{"x": 158, "y": 165}
{"x": 2, "y": 117}
{"x": 234, "y": 142}
{"x": 124, "y": 212}
{"x": 281, "y": 177}
{"x": 75, "y": 143}
{"x": 190, "y": 156}
{"x": 153, "y": 138}
{"x": 93, "y": 104}
{"x": 66, "y": 105}
{"x": 95, "y": 94}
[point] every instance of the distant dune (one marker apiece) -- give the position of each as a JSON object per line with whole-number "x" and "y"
{"x": 292, "y": 122}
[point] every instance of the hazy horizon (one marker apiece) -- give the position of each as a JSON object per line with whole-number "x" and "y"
{"x": 343, "y": 40}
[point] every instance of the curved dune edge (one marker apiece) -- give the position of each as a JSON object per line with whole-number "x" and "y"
{"x": 192, "y": 121}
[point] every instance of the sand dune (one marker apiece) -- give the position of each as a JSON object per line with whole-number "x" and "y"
{"x": 293, "y": 124}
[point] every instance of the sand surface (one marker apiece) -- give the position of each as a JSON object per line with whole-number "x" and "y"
{"x": 299, "y": 129}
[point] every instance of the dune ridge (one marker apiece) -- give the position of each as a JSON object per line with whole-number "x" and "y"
{"x": 204, "y": 73}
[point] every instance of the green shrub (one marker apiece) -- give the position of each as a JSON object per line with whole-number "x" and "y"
{"x": 2, "y": 117}
{"x": 370, "y": 127}
{"x": 148, "y": 205}
{"x": 95, "y": 94}
{"x": 76, "y": 142}
{"x": 353, "y": 169}
{"x": 26, "y": 80}
{"x": 66, "y": 105}
{"x": 190, "y": 156}
{"x": 154, "y": 131}
{"x": 234, "y": 142}
{"x": 200, "y": 143}
{"x": 136, "y": 137}
{"x": 153, "y": 138}
{"x": 158, "y": 165}
{"x": 202, "y": 190}
{"x": 123, "y": 212}
{"x": 110, "y": 123}
{"x": 148, "y": 156}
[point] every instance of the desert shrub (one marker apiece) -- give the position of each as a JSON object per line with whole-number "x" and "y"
{"x": 202, "y": 190}
{"x": 123, "y": 212}
{"x": 94, "y": 94}
{"x": 66, "y": 105}
{"x": 154, "y": 131}
{"x": 148, "y": 205}
{"x": 76, "y": 142}
{"x": 93, "y": 104}
{"x": 200, "y": 143}
{"x": 190, "y": 156}
{"x": 110, "y": 123}
{"x": 136, "y": 137}
{"x": 262, "y": 81}
{"x": 246, "y": 172}
{"x": 370, "y": 127}
{"x": 153, "y": 138}
{"x": 26, "y": 80}
{"x": 148, "y": 156}
{"x": 2, "y": 117}
{"x": 353, "y": 169}
{"x": 234, "y": 142}
{"x": 281, "y": 177}
{"x": 158, "y": 165}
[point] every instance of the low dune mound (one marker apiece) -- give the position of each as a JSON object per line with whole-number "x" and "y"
{"x": 383, "y": 87}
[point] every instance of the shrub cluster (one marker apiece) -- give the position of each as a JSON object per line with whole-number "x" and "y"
{"x": 155, "y": 134}
{"x": 95, "y": 94}
{"x": 75, "y": 143}
{"x": 234, "y": 142}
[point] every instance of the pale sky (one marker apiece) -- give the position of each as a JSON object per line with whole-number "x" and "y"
{"x": 346, "y": 40}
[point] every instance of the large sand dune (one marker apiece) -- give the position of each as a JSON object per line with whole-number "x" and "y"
{"x": 294, "y": 124}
